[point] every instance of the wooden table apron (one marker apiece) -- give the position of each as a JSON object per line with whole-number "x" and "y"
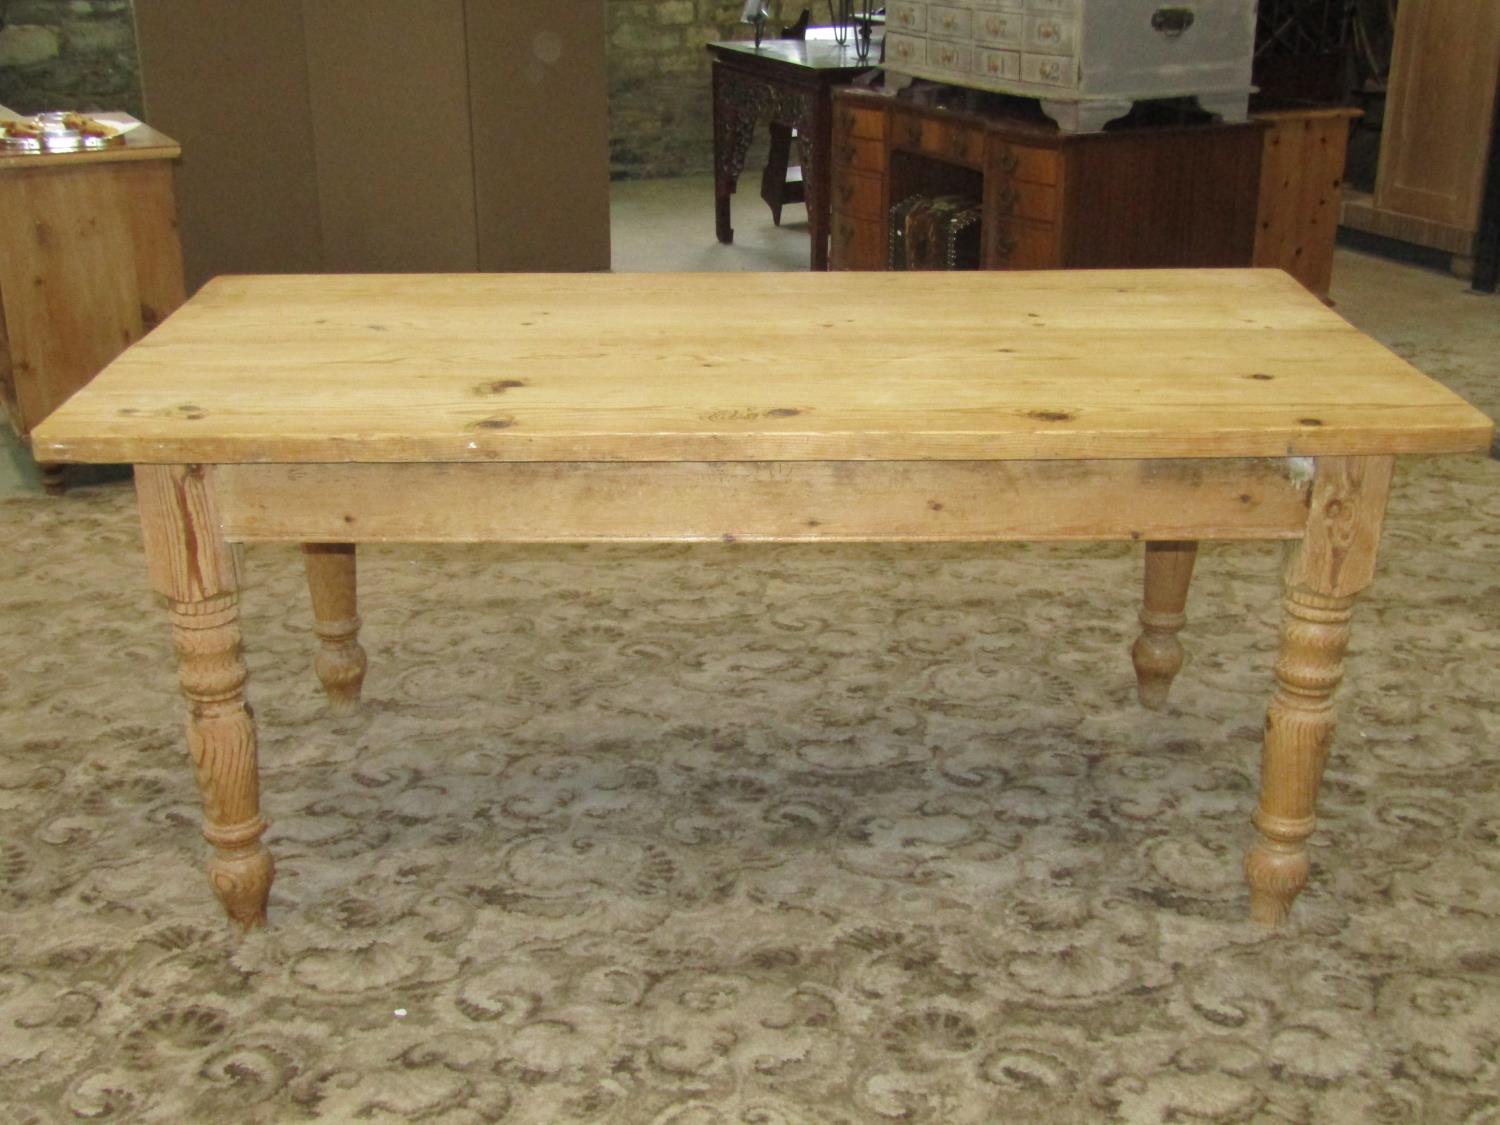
{"x": 789, "y": 82}
{"x": 1331, "y": 510}
{"x": 1165, "y": 406}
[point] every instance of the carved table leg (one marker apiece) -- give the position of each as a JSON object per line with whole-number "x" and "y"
{"x": 728, "y": 143}
{"x": 195, "y": 570}
{"x": 341, "y": 661}
{"x": 1324, "y": 573}
{"x": 816, "y": 153}
{"x": 1157, "y": 653}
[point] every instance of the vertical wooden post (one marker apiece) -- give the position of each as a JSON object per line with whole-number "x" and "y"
{"x": 1157, "y": 653}
{"x": 194, "y": 568}
{"x": 1324, "y": 573}
{"x": 341, "y": 663}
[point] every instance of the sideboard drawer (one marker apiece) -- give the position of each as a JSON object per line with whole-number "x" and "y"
{"x": 942, "y": 140}
{"x": 858, "y": 244}
{"x": 864, "y": 153}
{"x": 1051, "y": 35}
{"x": 999, "y": 29}
{"x": 1019, "y": 245}
{"x": 1009, "y": 197}
{"x": 950, "y": 56}
{"x": 858, "y": 194}
{"x": 1022, "y": 162}
{"x": 905, "y": 49}
{"x": 866, "y": 123}
{"x": 1049, "y": 70}
{"x": 997, "y": 64}
{"x": 945, "y": 22}
{"x": 906, "y": 15}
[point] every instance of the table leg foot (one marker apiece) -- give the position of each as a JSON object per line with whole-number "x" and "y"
{"x": 341, "y": 662}
{"x": 1276, "y": 873}
{"x": 723, "y": 229}
{"x": 1157, "y": 653}
{"x": 242, "y": 881}
{"x": 54, "y": 477}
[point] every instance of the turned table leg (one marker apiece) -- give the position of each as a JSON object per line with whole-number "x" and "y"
{"x": 54, "y": 477}
{"x": 341, "y": 661}
{"x": 1324, "y": 573}
{"x": 1157, "y": 653}
{"x": 196, "y": 571}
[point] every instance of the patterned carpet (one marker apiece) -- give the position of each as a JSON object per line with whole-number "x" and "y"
{"x": 755, "y": 835}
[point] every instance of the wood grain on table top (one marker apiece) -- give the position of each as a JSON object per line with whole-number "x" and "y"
{"x": 743, "y": 366}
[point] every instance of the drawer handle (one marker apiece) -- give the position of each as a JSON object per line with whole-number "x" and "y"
{"x": 1045, "y": 31}
{"x": 1009, "y": 163}
{"x": 1172, "y": 22}
{"x": 914, "y": 133}
{"x": 958, "y": 146}
{"x": 846, "y": 121}
{"x": 846, "y": 192}
{"x": 1004, "y": 247}
{"x": 1006, "y": 201}
{"x": 948, "y": 21}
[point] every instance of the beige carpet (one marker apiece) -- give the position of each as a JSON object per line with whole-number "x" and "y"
{"x": 755, "y": 835}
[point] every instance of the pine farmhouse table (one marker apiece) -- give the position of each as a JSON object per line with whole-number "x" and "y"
{"x": 1168, "y": 406}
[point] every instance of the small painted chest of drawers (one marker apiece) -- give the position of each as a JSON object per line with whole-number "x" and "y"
{"x": 1087, "y": 60}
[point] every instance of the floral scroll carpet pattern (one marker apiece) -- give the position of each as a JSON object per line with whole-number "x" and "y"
{"x": 748, "y": 834}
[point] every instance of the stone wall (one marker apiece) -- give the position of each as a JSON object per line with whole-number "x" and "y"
{"x": 68, "y": 54}
{"x": 660, "y": 116}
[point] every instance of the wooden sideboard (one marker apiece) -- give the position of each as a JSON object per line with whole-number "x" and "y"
{"x": 89, "y": 262}
{"x": 1264, "y": 192}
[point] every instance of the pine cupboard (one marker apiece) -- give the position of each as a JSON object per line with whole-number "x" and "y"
{"x": 89, "y": 262}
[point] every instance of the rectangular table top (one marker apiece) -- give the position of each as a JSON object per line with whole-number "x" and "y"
{"x": 756, "y": 367}
{"x": 829, "y": 60}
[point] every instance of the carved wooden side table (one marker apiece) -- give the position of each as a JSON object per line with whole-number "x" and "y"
{"x": 789, "y": 82}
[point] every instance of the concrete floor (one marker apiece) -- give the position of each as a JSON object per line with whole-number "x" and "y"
{"x": 668, "y": 225}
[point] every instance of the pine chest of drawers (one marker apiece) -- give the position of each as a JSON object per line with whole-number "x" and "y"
{"x": 1087, "y": 60}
